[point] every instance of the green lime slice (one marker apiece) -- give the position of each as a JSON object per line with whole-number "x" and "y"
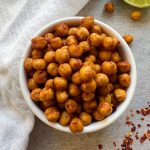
{"x": 138, "y": 3}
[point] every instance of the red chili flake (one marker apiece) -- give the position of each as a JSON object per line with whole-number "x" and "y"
{"x": 137, "y": 137}
{"x": 148, "y": 125}
{"x": 139, "y": 126}
{"x": 143, "y": 138}
{"x": 145, "y": 111}
{"x": 100, "y": 146}
{"x": 133, "y": 128}
{"x": 114, "y": 143}
{"x": 142, "y": 119}
{"x": 128, "y": 122}
{"x": 138, "y": 112}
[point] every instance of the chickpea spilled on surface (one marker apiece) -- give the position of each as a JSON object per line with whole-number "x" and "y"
{"x": 76, "y": 73}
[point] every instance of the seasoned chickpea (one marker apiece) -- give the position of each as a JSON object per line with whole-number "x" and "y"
{"x": 39, "y": 64}
{"x": 105, "y": 108}
{"x": 62, "y": 55}
{"x": 75, "y": 63}
{"x": 74, "y": 90}
{"x": 85, "y": 46}
{"x": 128, "y": 38}
{"x": 115, "y": 57}
{"x": 46, "y": 104}
{"x": 71, "y": 106}
{"x": 31, "y": 84}
{"x": 124, "y": 80}
{"x": 39, "y": 43}
{"x": 65, "y": 118}
{"x": 123, "y": 66}
{"x": 95, "y": 39}
{"x": 76, "y": 79}
{"x": 65, "y": 70}
{"x": 90, "y": 64}
{"x": 56, "y": 42}
{"x": 62, "y": 29}
{"x": 79, "y": 109}
{"x": 109, "y": 67}
{"x": 40, "y": 77}
{"x": 82, "y": 34}
{"x": 106, "y": 89}
{"x": 52, "y": 114}
{"x": 49, "y": 56}
{"x": 28, "y": 64}
{"x": 50, "y": 83}
{"x": 109, "y": 7}
{"x": 76, "y": 125}
{"x": 106, "y": 98}
{"x": 103, "y": 34}
{"x": 36, "y": 54}
{"x": 52, "y": 69}
{"x": 75, "y": 51}
{"x": 97, "y": 68}
{"x": 87, "y": 22}
{"x": 35, "y": 94}
{"x": 120, "y": 94}
{"x": 97, "y": 116}
{"x": 87, "y": 73}
{"x": 61, "y": 96}
{"x": 88, "y": 96}
{"x": 113, "y": 78}
{"x": 90, "y": 106}
{"x": 136, "y": 15}
{"x": 72, "y": 31}
{"x": 71, "y": 40}
{"x": 104, "y": 55}
{"x": 48, "y": 37}
{"x": 60, "y": 83}
{"x": 101, "y": 79}
{"x": 96, "y": 29}
{"x": 85, "y": 118}
{"x": 90, "y": 58}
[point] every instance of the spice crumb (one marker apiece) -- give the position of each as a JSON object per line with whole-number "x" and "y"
{"x": 142, "y": 119}
{"x": 139, "y": 126}
{"x": 100, "y": 146}
{"x": 114, "y": 143}
{"x": 138, "y": 112}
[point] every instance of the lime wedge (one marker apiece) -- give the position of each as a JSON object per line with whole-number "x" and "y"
{"x": 138, "y": 3}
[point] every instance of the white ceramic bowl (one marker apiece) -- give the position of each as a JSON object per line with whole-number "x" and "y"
{"x": 125, "y": 53}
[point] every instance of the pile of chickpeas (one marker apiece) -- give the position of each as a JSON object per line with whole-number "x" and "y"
{"x": 76, "y": 74}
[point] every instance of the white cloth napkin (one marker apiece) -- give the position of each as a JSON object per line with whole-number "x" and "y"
{"x": 19, "y": 20}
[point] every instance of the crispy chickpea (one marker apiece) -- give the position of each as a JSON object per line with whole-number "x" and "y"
{"x": 103, "y": 34}
{"x": 28, "y": 64}
{"x": 76, "y": 79}
{"x": 106, "y": 89}
{"x": 85, "y": 46}
{"x": 105, "y": 108}
{"x": 97, "y": 68}
{"x": 113, "y": 78}
{"x": 124, "y": 80}
{"x": 82, "y": 34}
{"x": 62, "y": 29}
{"x": 49, "y": 56}
{"x": 74, "y": 90}
{"x": 52, "y": 69}
{"x": 40, "y": 77}
{"x": 87, "y": 22}
{"x": 71, "y": 40}
{"x": 60, "y": 83}
{"x": 52, "y": 114}
{"x": 48, "y": 37}
{"x": 101, "y": 79}
{"x": 50, "y": 83}
{"x": 90, "y": 64}
{"x": 136, "y": 15}
{"x": 106, "y": 98}
{"x": 39, "y": 43}
{"x": 76, "y": 125}
{"x": 72, "y": 31}
{"x": 65, "y": 118}
{"x": 75, "y": 51}
{"x": 90, "y": 106}
{"x": 71, "y": 106}
{"x": 109, "y": 7}
{"x": 79, "y": 109}
{"x": 123, "y": 66}
{"x": 39, "y": 64}
{"x": 36, "y": 54}
{"x": 97, "y": 116}
{"x": 75, "y": 63}
{"x": 104, "y": 55}
{"x": 62, "y": 55}
{"x": 87, "y": 73}
{"x": 115, "y": 57}
{"x": 65, "y": 70}
{"x": 35, "y": 94}
{"x": 46, "y": 104}
{"x": 31, "y": 84}
{"x": 87, "y": 96}
{"x": 96, "y": 29}
{"x": 128, "y": 38}
{"x": 120, "y": 94}
{"x": 85, "y": 118}
{"x": 109, "y": 67}
{"x": 90, "y": 58}
{"x": 56, "y": 42}
{"x": 61, "y": 96}
{"x": 95, "y": 39}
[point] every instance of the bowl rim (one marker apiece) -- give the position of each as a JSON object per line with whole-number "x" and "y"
{"x": 96, "y": 125}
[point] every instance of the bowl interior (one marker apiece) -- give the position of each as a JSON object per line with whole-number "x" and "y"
{"x": 125, "y": 52}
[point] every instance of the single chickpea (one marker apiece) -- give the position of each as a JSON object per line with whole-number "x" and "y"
{"x": 36, "y": 54}
{"x": 115, "y": 57}
{"x": 90, "y": 58}
{"x": 85, "y": 118}
{"x": 109, "y": 7}
{"x": 109, "y": 67}
{"x": 85, "y": 46}
{"x": 50, "y": 83}
{"x": 75, "y": 51}
{"x": 72, "y": 31}
{"x": 75, "y": 64}
{"x": 124, "y": 79}
{"x": 113, "y": 78}
{"x": 46, "y": 104}
{"x": 103, "y": 34}
{"x": 96, "y": 29}
{"x": 87, "y": 22}
{"x": 82, "y": 34}
{"x": 76, "y": 79}
{"x": 90, "y": 64}
{"x": 52, "y": 114}
{"x": 74, "y": 90}
{"x": 97, "y": 68}
{"x": 39, "y": 64}
{"x": 71, "y": 106}
{"x": 128, "y": 38}
{"x": 49, "y": 56}
{"x": 90, "y": 106}
{"x": 124, "y": 66}
{"x": 79, "y": 109}
{"x": 62, "y": 29}
{"x": 106, "y": 98}
{"x": 60, "y": 83}
{"x": 65, "y": 118}
{"x": 52, "y": 69}
{"x": 48, "y": 37}
{"x": 61, "y": 96}
{"x": 28, "y": 64}
{"x": 35, "y": 94}
{"x": 38, "y": 43}
{"x": 56, "y": 42}
{"x": 40, "y": 77}
{"x": 71, "y": 40}
{"x": 120, "y": 94}
{"x": 106, "y": 89}
{"x": 136, "y": 15}
{"x": 87, "y": 96}
{"x": 97, "y": 116}
{"x": 95, "y": 39}
{"x": 101, "y": 79}
{"x": 76, "y": 125}
{"x": 104, "y": 55}
{"x": 31, "y": 84}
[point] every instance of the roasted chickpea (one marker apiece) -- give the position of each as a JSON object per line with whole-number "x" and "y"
{"x": 85, "y": 46}
{"x": 87, "y": 73}
{"x": 128, "y": 38}
{"x": 40, "y": 77}
{"x": 46, "y": 104}
{"x": 31, "y": 84}
{"x": 39, "y": 43}
{"x": 75, "y": 51}
{"x": 136, "y": 15}
{"x": 60, "y": 83}
{"x": 52, "y": 114}
{"x": 39, "y": 64}
{"x": 76, "y": 79}
{"x": 35, "y": 94}
{"x": 62, "y": 55}
{"x": 105, "y": 108}
{"x": 65, "y": 118}
{"x": 48, "y": 37}
{"x": 106, "y": 98}
{"x": 123, "y": 66}
{"x": 90, "y": 58}
{"x": 97, "y": 116}
{"x": 101, "y": 79}
{"x": 62, "y": 29}
{"x": 71, "y": 106}
{"x": 124, "y": 80}
{"x": 82, "y": 34}
{"x": 95, "y": 39}
{"x": 75, "y": 64}
{"x": 97, "y": 68}
{"x": 104, "y": 55}
{"x": 87, "y": 96}
{"x": 74, "y": 90}
{"x": 85, "y": 118}
{"x": 113, "y": 78}
{"x": 76, "y": 125}
{"x": 115, "y": 57}
{"x": 90, "y": 64}
{"x": 28, "y": 64}
{"x": 52, "y": 69}
{"x": 56, "y": 42}
{"x": 90, "y": 106}
{"x": 71, "y": 40}
{"x": 109, "y": 67}
{"x": 49, "y": 56}
{"x": 87, "y": 22}
{"x": 96, "y": 29}
{"x": 106, "y": 89}
{"x": 79, "y": 109}
{"x": 50, "y": 83}
{"x": 65, "y": 70}
{"x": 109, "y": 7}
{"x": 36, "y": 54}
{"x": 120, "y": 94}
{"x": 72, "y": 31}
{"x": 61, "y": 96}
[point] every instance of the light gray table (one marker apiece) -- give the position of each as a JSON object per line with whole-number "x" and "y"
{"x": 46, "y": 138}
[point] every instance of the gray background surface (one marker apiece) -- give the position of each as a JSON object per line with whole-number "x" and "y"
{"x": 46, "y": 138}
